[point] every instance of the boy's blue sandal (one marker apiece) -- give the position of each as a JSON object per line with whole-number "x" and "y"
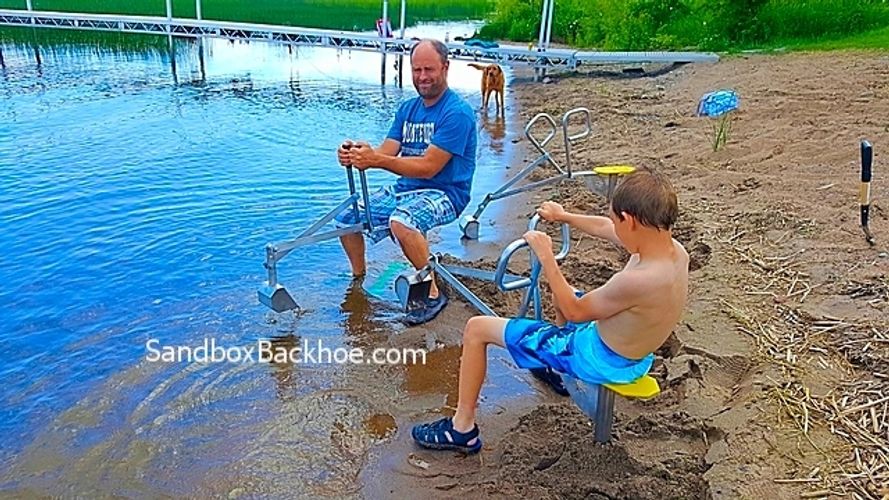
{"x": 440, "y": 435}
{"x": 427, "y": 310}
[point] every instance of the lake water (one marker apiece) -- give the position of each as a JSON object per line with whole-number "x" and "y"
{"x": 135, "y": 208}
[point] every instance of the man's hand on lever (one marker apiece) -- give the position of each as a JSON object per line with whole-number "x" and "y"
{"x": 342, "y": 153}
{"x": 363, "y": 155}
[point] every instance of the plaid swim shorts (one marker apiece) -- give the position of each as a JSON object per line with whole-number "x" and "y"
{"x": 422, "y": 210}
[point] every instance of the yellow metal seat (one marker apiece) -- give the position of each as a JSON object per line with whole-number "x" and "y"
{"x": 615, "y": 170}
{"x": 613, "y": 173}
{"x": 643, "y": 388}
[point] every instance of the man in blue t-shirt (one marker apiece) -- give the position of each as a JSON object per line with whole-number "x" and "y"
{"x": 435, "y": 134}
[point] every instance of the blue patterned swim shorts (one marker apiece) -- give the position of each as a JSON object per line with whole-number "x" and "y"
{"x": 422, "y": 209}
{"x": 573, "y": 349}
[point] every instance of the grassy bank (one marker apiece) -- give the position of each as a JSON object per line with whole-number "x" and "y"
{"x": 721, "y": 25}
{"x": 357, "y": 15}
{"x": 334, "y": 14}
{"x": 57, "y": 39}
{"x": 871, "y": 40}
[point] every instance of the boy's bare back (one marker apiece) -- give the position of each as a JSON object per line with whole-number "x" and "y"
{"x": 636, "y": 310}
{"x": 656, "y": 292}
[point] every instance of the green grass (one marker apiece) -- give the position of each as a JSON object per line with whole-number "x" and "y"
{"x": 872, "y": 40}
{"x": 334, "y": 14}
{"x": 720, "y": 25}
{"x": 353, "y": 15}
{"x": 51, "y": 38}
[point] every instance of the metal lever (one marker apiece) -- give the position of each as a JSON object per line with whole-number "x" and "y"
{"x": 362, "y": 177}
{"x": 566, "y": 236}
{"x": 503, "y": 261}
{"x": 512, "y": 248}
{"x": 552, "y": 132}
{"x": 587, "y": 130}
{"x": 273, "y": 294}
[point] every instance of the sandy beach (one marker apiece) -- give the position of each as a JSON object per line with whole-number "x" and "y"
{"x": 774, "y": 383}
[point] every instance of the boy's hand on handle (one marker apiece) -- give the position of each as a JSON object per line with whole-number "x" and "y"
{"x": 362, "y": 155}
{"x": 552, "y": 211}
{"x": 342, "y": 153}
{"x": 541, "y": 244}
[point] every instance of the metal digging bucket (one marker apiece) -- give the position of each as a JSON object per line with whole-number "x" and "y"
{"x": 412, "y": 287}
{"x": 276, "y": 298}
{"x": 273, "y": 294}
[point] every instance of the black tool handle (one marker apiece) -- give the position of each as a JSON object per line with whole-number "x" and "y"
{"x": 867, "y": 160}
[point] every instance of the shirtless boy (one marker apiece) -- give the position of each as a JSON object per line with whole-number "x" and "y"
{"x": 606, "y": 335}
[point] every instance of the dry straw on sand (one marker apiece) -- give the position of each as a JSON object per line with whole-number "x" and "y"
{"x": 856, "y": 411}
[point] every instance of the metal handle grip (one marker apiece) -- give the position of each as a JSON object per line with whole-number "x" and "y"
{"x": 503, "y": 261}
{"x": 566, "y": 236}
{"x": 587, "y": 130}
{"x": 540, "y": 145}
{"x": 587, "y": 122}
{"x": 512, "y": 248}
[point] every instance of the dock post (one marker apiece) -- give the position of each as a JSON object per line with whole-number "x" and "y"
{"x": 383, "y": 68}
{"x": 543, "y": 17}
{"x": 36, "y": 47}
{"x": 549, "y": 25}
{"x": 197, "y": 15}
{"x": 170, "y": 48}
{"x": 546, "y": 19}
{"x": 201, "y": 58}
{"x": 401, "y": 57}
{"x": 383, "y": 32}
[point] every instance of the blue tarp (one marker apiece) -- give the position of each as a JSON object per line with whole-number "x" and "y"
{"x": 481, "y": 43}
{"x": 718, "y": 103}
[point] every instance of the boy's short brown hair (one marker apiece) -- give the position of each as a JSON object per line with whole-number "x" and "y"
{"x": 649, "y": 197}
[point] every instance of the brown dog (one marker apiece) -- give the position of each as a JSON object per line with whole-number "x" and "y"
{"x": 492, "y": 83}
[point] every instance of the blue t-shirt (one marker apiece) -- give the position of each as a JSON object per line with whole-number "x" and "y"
{"x": 449, "y": 124}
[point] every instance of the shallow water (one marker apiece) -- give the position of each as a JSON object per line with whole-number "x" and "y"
{"x": 133, "y": 207}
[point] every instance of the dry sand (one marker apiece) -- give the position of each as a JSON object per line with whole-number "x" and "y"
{"x": 776, "y": 382}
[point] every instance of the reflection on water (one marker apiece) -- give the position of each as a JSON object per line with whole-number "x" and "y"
{"x": 283, "y": 370}
{"x": 364, "y": 323}
{"x": 135, "y": 209}
{"x": 438, "y": 376}
{"x": 380, "y": 426}
{"x": 496, "y": 130}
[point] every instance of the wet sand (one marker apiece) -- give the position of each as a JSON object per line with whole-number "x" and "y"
{"x": 775, "y": 368}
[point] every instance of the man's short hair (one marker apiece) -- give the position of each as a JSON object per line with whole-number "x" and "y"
{"x": 649, "y": 197}
{"x": 439, "y": 47}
